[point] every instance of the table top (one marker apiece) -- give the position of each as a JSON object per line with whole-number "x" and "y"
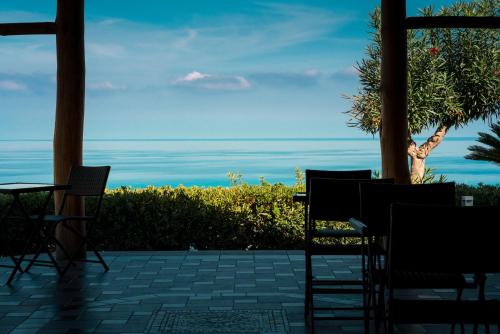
{"x": 21, "y": 187}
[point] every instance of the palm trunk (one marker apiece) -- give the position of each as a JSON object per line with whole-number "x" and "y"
{"x": 418, "y": 155}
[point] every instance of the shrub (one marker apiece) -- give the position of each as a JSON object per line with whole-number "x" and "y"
{"x": 238, "y": 217}
{"x": 484, "y": 194}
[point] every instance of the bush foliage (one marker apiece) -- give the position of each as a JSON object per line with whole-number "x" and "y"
{"x": 238, "y": 217}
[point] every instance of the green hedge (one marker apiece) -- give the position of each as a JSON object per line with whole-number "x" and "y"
{"x": 483, "y": 194}
{"x": 238, "y": 217}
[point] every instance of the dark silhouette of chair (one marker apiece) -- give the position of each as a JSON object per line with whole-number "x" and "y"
{"x": 333, "y": 200}
{"x": 375, "y": 202}
{"x": 442, "y": 240}
{"x": 85, "y": 182}
{"x": 334, "y": 174}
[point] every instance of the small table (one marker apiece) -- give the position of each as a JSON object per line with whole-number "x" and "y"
{"x": 14, "y": 190}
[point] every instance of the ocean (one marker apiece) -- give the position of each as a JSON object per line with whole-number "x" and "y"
{"x": 206, "y": 162}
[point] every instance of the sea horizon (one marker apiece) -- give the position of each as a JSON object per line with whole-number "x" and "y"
{"x": 235, "y": 139}
{"x": 206, "y": 161}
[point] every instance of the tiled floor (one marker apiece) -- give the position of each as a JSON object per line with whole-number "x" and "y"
{"x": 179, "y": 292}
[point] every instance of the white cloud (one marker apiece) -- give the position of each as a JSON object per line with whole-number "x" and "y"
{"x": 346, "y": 73}
{"x": 351, "y": 70}
{"x": 12, "y": 86}
{"x": 110, "y": 21}
{"x": 193, "y": 76}
{"x": 142, "y": 55}
{"x": 105, "y": 86}
{"x": 197, "y": 79}
{"x": 312, "y": 72}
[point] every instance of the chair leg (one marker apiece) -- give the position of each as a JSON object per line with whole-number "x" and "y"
{"x": 84, "y": 241}
{"x": 366, "y": 290}
{"x": 459, "y": 298}
{"x": 17, "y": 265}
{"x": 390, "y": 326}
{"x": 308, "y": 290}
{"x": 97, "y": 254}
{"x": 38, "y": 251}
{"x": 32, "y": 260}
{"x": 481, "y": 281}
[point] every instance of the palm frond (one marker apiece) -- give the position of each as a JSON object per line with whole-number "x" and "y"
{"x": 491, "y": 151}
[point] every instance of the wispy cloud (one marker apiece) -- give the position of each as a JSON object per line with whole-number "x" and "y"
{"x": 12, "y": 86}
{"x": 345, "y": 73}
{"x": 35, "y": 83}
{"x": 105, "y": 86}
{"x": 143, "y": 54}
{"x": 197, "y": 79}
{"x": 306, "y": 78}
{"x": 105, "y": 50}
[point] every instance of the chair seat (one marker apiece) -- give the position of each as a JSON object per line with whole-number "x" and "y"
{"x": 60, "y": 218}
{"x": 420, "y": 280}
{"x": 445, "y": 311}
{"x": 335, "y": 233}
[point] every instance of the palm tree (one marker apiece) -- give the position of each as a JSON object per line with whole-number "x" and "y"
{"x": 491, "y": 152}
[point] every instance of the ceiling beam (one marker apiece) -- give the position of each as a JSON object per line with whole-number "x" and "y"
{"x": 35, "y": 28}
{"x": 429, "y": 22}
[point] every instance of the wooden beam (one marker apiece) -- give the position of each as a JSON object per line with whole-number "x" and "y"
{"x": 394, "y": 91}
{"x": 428, "y": 22}
{"x": 32, "y": 28}
{"x": 68, "y": 132}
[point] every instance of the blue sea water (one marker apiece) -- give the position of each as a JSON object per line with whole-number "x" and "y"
{"x": 139, "y": 163}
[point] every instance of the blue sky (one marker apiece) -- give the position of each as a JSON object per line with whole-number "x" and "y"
{"x": 195, "y": 68}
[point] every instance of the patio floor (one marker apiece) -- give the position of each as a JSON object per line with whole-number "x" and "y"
{"x": 181, "y": 292}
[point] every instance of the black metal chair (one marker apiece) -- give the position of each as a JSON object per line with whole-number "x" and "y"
{"x": 85, "y": 182}
{"x": 334, "y": 200}
{"x": 376, "y": 200}
{"x": 442, "y": 240}
{"x": 304, "y": 198}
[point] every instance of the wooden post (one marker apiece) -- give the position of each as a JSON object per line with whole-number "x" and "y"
{"x": 394, "y": 131}
{"x": 68, "y": 132}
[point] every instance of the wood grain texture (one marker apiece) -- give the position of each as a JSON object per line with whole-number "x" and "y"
{"x": 68, "y": 132}
{"x": 394, "y": 92}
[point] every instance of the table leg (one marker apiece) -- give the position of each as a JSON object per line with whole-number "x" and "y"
{"x": 35, "y": 230}
{"x": 8, "y": 249}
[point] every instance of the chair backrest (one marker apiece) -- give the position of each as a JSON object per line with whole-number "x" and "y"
{"x": 376, "y": 200}
{"x": 336, "y": 199}
{"x": 87, "y": 181}
{"x": 336, "y": 174}
{"x": 444, "y": 239}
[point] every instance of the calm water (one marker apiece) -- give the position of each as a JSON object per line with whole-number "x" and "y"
{"x": 206, "y": 162}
